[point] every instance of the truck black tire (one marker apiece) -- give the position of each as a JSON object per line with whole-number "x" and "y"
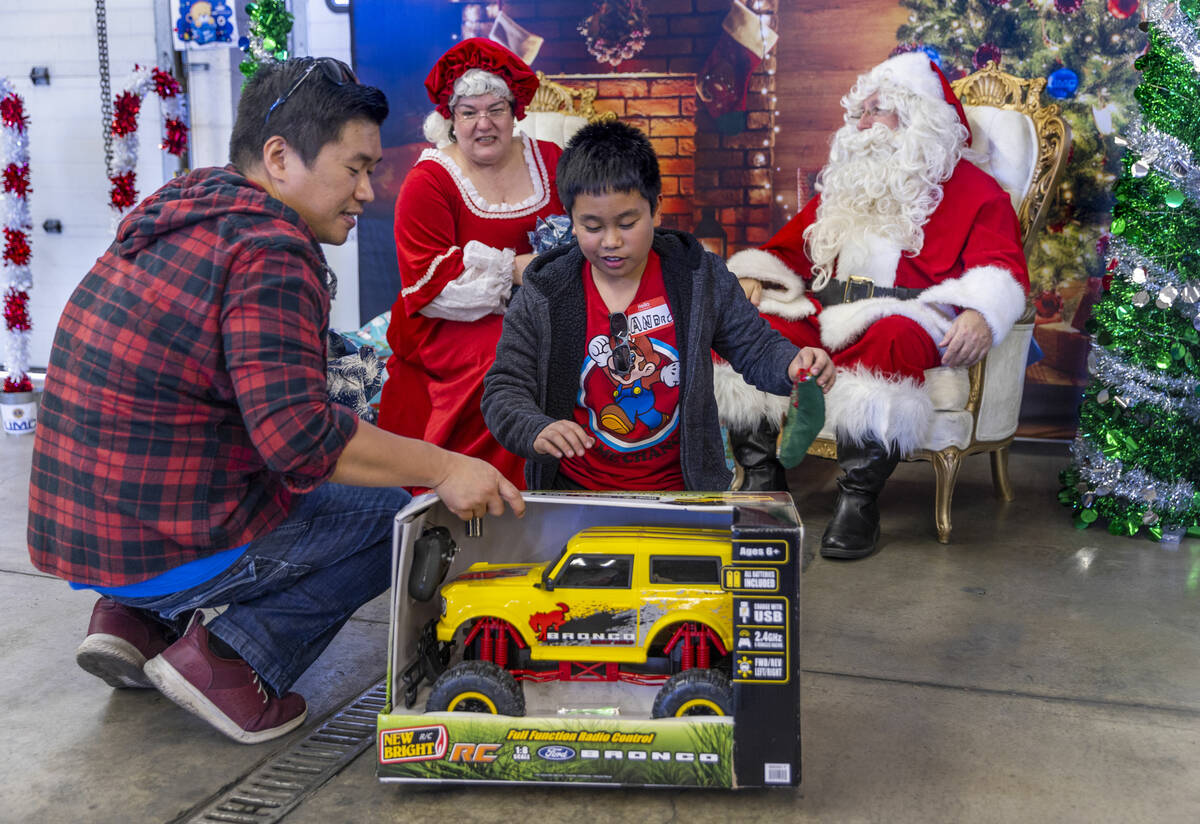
{"x": 694, "y": 692}
{"x": 477, "y": 686}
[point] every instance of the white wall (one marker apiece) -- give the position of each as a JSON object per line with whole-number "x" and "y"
{"x": 67, "y": 169}
{"x": 329, "y": 36}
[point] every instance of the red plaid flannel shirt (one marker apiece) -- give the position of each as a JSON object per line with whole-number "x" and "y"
{"x": 185, "y": 401}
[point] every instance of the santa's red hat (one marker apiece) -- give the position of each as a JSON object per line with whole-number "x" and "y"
{"x": 480, "y": 53}
{"x": 916, "y": 73}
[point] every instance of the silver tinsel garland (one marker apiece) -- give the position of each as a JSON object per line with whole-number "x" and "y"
{"x": 1108, "y": 477}
{"x": 1165, "y": 288}
{"x": 1165, "y": 154}
{"x": 1128, "y": 385}
{"x": 1176, "y": 25}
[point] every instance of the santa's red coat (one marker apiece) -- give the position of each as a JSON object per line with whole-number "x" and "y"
{"x": 971, "y": 258}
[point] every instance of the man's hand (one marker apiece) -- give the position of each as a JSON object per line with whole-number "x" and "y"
{"x": 473, "y": 488}
{"x": 563, "y": 439}
{"x": 968, "y": 340}
{"x": 752, "y": 288}
{"x": 815, "y": 362}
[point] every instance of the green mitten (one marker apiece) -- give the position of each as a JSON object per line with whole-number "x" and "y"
{"x": 806, "y": 416}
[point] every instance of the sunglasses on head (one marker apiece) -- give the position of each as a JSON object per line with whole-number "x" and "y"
{"x": 335, "y": 71}
{"x": 618, "y": 327}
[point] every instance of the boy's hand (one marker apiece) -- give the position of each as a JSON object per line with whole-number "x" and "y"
{"x": 473, "y": 488}
{"x": 563, "y": 439}
{"x": 752, "y": 288}
{"x": 815, "y": 362}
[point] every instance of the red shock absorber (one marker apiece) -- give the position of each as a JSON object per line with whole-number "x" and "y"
{"x": 501, "y": 645}
{"x": 686, "y": 654}
{"x": 702, "y": 651}
{"x": 485, "y": 641}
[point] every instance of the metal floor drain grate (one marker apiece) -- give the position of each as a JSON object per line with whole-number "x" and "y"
{"x": 278, "y": 785}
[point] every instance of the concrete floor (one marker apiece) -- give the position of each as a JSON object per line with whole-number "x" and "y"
{"x": 1027, "y": 672}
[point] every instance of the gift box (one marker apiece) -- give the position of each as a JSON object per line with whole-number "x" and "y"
{"x": 615, "y": 639}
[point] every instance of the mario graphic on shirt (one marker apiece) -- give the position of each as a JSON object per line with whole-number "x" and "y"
{"x": 633, "y": 408}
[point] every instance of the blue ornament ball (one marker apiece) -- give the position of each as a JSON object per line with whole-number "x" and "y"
{"x": 1062, "y": 83}
{"x": 243, "y": 43}
{"x": 933, "y": 55}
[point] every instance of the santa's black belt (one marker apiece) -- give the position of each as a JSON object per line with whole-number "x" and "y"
{"x": 859, "y": 288}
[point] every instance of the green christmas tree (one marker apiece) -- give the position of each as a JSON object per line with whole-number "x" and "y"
{"x": 1137, "y": 455}
{"x": 270, "y": 22}
{"x": 1085, "y": 49}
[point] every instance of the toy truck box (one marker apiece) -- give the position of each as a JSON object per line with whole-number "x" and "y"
{"x": 623, "y": 639}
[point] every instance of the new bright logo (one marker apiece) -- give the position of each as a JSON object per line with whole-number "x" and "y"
{"x": 412, "y": 744}
{"x": 555, "y": 752}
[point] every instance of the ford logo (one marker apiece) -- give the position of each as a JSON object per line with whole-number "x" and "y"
{"x": 556, "y": 752}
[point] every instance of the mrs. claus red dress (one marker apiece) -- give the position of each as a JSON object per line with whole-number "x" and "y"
{"x": 455, "y": 254}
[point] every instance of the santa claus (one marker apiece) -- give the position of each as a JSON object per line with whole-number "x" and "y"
{"x": 908, "y": 258}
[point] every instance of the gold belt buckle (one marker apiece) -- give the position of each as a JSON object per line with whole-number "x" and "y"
{"x": 849, "y": 295}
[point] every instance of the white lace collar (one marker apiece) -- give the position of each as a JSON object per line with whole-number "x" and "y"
{"x": 537, "y": 175}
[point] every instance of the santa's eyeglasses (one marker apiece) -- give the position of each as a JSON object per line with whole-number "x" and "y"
{"x": 622, "y": 356}
{"x": 335, "y": 71}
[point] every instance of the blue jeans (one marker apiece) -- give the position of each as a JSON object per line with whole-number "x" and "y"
{"x": 294, "y": 588}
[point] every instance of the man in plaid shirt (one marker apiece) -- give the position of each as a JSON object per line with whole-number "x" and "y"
{"x": 187, "y": 454}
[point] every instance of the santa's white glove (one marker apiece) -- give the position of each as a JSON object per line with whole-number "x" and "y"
{"x": 670, "y": 374}
{"x": 599, "y": 350}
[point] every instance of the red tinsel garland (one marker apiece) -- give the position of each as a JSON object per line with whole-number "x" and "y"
{"x": 124, "y": 190}
{"x": 23, "y": 385}
{"x": 16, "y": 179}
{"x": 14, "y": 273}
{"x": 125, "y": 112}
{"x": 127, "y": 105}
{"x": 165, "y": 84}
{"x": 175, "y": 140}
{"x": 12, "y": 113}
{"x": 16, "y": 310}
{"x": 16, "y": 247}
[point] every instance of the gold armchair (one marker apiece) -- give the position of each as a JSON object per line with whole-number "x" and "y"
{"x": 976, "y": 408}
{"x": 557, "y": 111}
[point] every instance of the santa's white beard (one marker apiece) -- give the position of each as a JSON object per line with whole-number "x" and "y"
{"x": 869, "y": 190}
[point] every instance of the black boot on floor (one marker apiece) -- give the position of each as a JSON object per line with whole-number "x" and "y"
{"x": 754, "y": 450}
{"x": 853, "y": 531}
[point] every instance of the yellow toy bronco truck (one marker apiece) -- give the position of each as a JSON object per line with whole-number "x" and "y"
{"x": 621, "y": 603}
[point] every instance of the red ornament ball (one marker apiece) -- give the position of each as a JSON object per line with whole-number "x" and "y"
{"x": 1122, "y": 9}
{"x": 986, "y": 52}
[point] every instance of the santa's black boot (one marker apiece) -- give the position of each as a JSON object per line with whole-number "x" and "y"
{"x": 754, "y": 450}
{"x": 853, "y": 531}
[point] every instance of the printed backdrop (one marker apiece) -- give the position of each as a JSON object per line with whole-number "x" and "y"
{"x": 737, "y": 166}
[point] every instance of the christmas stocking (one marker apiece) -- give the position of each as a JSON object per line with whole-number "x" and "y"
{"x": 516, "y": 38}
{"x": 744, "y": 43}
{"x": 805, "y": 417}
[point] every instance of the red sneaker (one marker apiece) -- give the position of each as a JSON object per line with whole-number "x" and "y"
{"x": 119, "y": 640}
{"x": 225, "y": 692}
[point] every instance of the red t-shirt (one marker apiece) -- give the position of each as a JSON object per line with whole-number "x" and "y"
{"x": 634, "y": 419}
